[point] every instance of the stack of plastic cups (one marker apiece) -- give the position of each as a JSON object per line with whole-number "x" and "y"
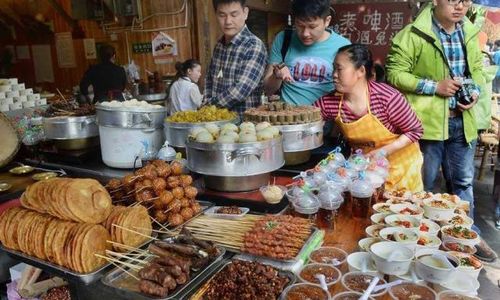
{"x": 361, "y": 192}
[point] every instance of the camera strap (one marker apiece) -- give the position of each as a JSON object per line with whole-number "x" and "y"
{"x": 467, "y": 73}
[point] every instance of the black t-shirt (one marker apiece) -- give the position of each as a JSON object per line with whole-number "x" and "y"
{"x": 104, "y": 77}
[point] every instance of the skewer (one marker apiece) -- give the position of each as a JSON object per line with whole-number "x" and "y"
{"x": 123, "y": 269}
{"x": 154, "y": 230}
{"x": 110, "y": 259}
{"x": 130, "y": 248}
{"x": 60, "y": 94}
{"x": 139, "y": 233}
{"x": 123, "y": 256}
{"x": 161, "y": 225}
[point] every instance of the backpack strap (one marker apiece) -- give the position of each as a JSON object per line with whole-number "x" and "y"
{"x": 286, "y": 42}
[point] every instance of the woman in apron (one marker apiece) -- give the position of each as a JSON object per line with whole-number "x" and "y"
{"x": 374, "y": 117}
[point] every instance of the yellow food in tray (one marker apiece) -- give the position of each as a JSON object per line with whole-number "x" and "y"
{"x": 205, "y": 114}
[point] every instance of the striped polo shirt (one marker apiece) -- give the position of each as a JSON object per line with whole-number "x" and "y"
{"x": 386, "y": 103}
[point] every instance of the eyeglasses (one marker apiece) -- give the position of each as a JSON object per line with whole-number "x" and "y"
{"x": 457, "y": 2}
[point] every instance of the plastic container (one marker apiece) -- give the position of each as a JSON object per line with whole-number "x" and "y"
{"x": 332, "y": 275}
{"x": 212, "y": 212}
{"x": 306, "y": 206}
{"x": 452, "y": 295}
{"x": 359, "y": 161}
{"x": 166, "y": 153}
{"x": 329, "y": 255}
{"x": 349, "y": 296}
{"x": 330, "y": 201}
{"x": 304, "y": 291}
{"x": 378, "y": 184}
{"x": 273, "y": 193}
{"x": 361, "y": 192}
{"x": 359, "y": 282}
{"x": 408, "y": 290}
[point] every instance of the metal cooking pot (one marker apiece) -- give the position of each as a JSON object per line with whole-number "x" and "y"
{"x": 130, "y": 117}
{"x": 77, "y": 144}
{"x": 70, "y": 128}
{"x": 177, "y": 133}
{"x": 299, "y": 140}
{"x": 235, "y": 160}
{"x": 152, "y": 97}
{"x": 236, "y": 184}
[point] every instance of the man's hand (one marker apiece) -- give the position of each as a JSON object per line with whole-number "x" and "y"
{"x": 447, "y": 87}
{"x": 282, "y": 72}
{"x": 462, "y": 107}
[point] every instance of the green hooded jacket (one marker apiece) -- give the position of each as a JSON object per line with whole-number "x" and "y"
{"x": 416, "y": 53}
{"x": 483, "y": 106}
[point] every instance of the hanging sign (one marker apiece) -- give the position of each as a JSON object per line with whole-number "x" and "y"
{"x": 65, "y": 50}
{"x": 89, "y": 47}
{"x": 164, "y": 48}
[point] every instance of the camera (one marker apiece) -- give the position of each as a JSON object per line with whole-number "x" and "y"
{"x": 464, "y": 94}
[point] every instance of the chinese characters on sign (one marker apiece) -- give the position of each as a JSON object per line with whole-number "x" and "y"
{"x": 372, "y": 24}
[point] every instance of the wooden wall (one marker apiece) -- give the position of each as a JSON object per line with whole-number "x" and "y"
{"x": 195, "y": 41}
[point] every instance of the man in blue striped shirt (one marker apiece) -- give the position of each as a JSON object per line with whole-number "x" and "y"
{"x": 234, "y": 77}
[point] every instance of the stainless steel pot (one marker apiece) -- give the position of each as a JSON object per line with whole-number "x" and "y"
{"x": 177, "y": 133}
{"x": 236, "y": 184}
{"x": 152, "y": 97}
{"x": 70, "y": 128}
{"x": 130, "y": 117}
{"x": 302, "y": 137}
{"x": 235, "y": 160}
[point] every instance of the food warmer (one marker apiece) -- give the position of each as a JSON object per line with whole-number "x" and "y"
{"x": 72, "y": 133}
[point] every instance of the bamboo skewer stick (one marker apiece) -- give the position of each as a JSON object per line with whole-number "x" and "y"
{"x": 124, "y": 256}
{"x": 124, "y": 270}
{"x": 110, "y": 259}
{"x": 130, "y": 248}
{"x": 139, "y": 233}
{"x": 154, "y": 230}
{"x": 161, "y": 225}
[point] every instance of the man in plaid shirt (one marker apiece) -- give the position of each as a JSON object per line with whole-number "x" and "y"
{"x": 234, "y": 77}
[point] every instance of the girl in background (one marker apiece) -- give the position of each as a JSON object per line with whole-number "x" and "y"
{"x": 183, "y": 93}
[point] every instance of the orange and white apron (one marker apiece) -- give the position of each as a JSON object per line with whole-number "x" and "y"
{"x": 368, "y": 133}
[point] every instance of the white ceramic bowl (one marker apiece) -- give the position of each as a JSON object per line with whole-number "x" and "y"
{"x": 430, "y": 227}
{"x": 400, "y": 260}
{"x": 431, "y": 269}
{"x": 438, "y": 209}
{"x": 403, "y": 221}
{"x": 464, "y": 206}
{"x": 364, "y": 244}
{"x": 447, "y": 237}
{"x": 398, "y": 201}
{"x": 383, "y": 208}
{"x": 427, "y": 241}
{"x": 408, "y": 276}
{"x": 374, "y": 230}
{"x": 419, "y": 197}
{"x": 403, "y": 236}
{"x": 458, "y": 247}
{"x": 445, "y": 196}
{"x": 473, "y": 268}
{"x": 356, "y": 260}
{"x": 408, "y": 209}
{"x": 460, "y": 220}
{"x": 378, "y": 218}
{"x": 401, "y": 194}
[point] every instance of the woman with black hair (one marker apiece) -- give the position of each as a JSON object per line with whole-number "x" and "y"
{"x": 184, "y": 93}
{"x": 374, "y": 117}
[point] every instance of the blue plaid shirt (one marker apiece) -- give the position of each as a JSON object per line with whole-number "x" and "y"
{"x": 235, "y": 75}
{"x": 454, "y": 51}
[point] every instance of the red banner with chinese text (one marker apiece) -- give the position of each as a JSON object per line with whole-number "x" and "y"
{"x": 372, "y": 24}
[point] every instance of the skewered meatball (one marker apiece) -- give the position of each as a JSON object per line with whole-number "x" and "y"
{"x": 178, "y": 192}
{"x": 173, "y": 182}
{"x": 185, "y": 202}
{"x": 159, "y": 205}
{"x": 158, "y": 163}
{"x": 164, "y": 171}
{"x": 159, "y": 185}
{"x": 160, "y": 216}
{"x": 186, "y": 180}
{"x": 114, "y": 184}
{"x": 130, "y": 179}
{"x": 187, "y": 213}
{"x": 166, "y": 197}
{"x": 138, "y": 186}
{"x": 176, "y": 168}
{"x": 146, "y": 195}
{"x": 196, "y": 208}
{"x": 174, "y": 206}
{"x": 151, "y": 173}
{"x": 147, "y": 182}
{"x": 190, "y": 192}
{"x": 175, "y": 220}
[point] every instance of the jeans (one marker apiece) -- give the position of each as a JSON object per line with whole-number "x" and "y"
{"x": 456, "y": 157}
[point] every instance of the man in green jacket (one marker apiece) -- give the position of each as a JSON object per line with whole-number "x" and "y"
{"x": 429, "y": 61}
{"x": 426, "y": 62}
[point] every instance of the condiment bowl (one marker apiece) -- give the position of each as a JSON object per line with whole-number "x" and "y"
{"x": 378, "y": 218}
{"x": 430, "y": 268}
{"x": 467, "y": 263}
{"x": 361, "y": 261}
{"x": 408, "y": 290}
{"x": 391, "y": 258}
{"x": 429, "y": 227}
{"x": 364, "y": 244}
{"x": 403, "y": 221}
{"x": 359, "y": 281}
{"x": 427, "y": 241}
{"x": 303, "y": 291}
{"x": 403, "y": 236}
{"x": 438, "y": 209}
{"x": 408, "y": 209}
{"x": 374, "y": 230}
{"x": 327, "y": 255}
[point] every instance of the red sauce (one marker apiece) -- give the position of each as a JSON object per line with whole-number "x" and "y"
{"x": 306, "y": 292}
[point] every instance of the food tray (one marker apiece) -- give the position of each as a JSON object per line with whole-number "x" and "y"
{"x": 299, "y": 255}
{"x": 65, "y": 273}
{"x": 197, "y": 292}
{"x": 211, "y": 212}
{"x": 111, "y": 279}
